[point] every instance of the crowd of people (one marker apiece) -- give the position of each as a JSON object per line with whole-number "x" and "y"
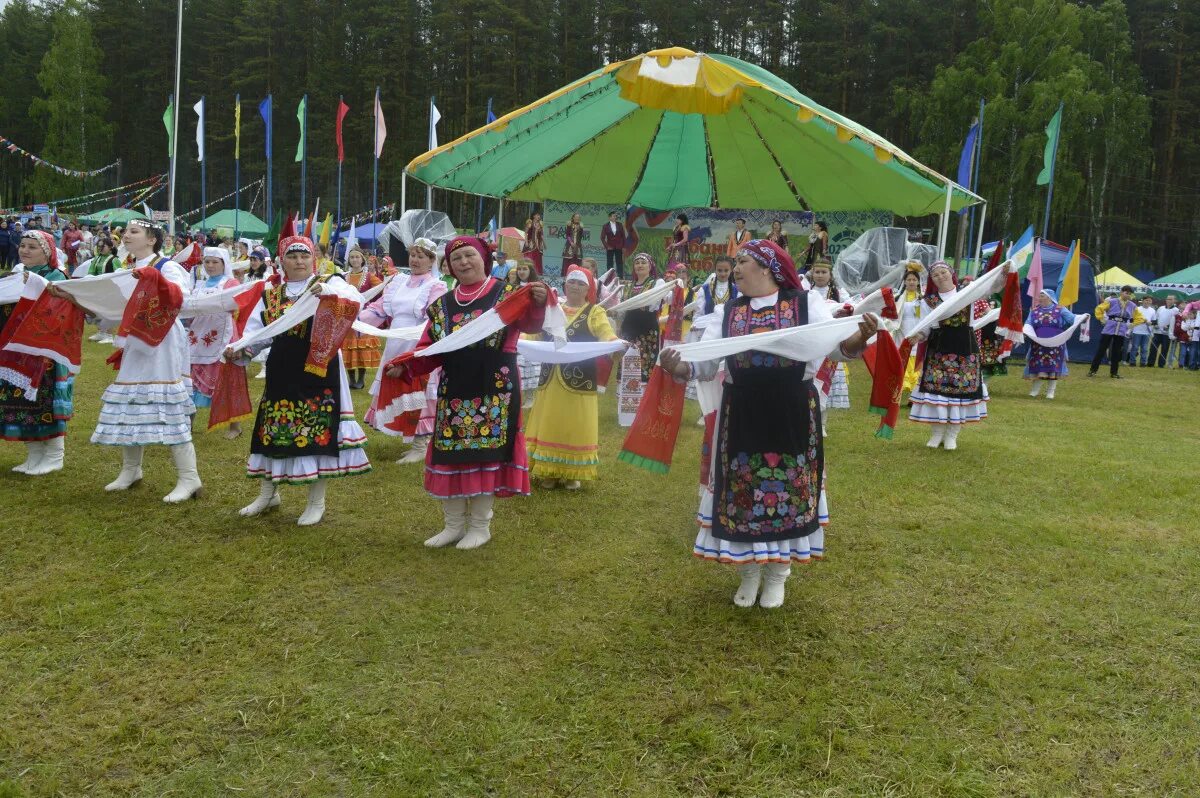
{"x": 451, "y": 346}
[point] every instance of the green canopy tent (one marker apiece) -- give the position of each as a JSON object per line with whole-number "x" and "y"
{"x": 244, "y": 222}
{"x": 112, "y": 216}
{"x": 672, "y": 129}
{"x": 1183, "y": 282}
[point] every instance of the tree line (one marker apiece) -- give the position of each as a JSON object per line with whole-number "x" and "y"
{"x": 83, "y": 82}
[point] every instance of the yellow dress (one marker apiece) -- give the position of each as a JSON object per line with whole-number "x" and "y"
{"x": 911, "y": 375}
{"x": 563, "y": 432}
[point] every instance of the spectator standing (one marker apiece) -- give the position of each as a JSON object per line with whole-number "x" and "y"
{"x": 72, "y": 240}
{"x": 6, "y": 257}
{"x": 1164, "y": 348}
{"x": 613, "y": 239}
{"x": 1139, "y": 338}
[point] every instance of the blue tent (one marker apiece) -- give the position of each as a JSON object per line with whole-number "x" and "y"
{"x": 1054, "y": 258}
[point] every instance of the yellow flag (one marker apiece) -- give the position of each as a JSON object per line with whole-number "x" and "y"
{"x": 1068, "y": 284}
{"x": 325, "y": 230}
{"x": 237, "y": 129}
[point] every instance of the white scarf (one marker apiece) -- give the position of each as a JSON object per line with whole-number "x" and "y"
{"x": 804, "y": 343}
{"x": 984, "y": 286}
{"x": 1055, "y": 341}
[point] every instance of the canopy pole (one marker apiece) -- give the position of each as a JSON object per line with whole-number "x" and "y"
{"x": 499, "y": 221}
{"x": 979, "y": 240}
{"x": 403, "y": 192}
{"x": 944, "y": 228}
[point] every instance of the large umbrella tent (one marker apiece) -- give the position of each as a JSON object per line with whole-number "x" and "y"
{"x": 672, "y": 129}
{"x": 244, "y": 222}
{"x": 1116, "y": 278}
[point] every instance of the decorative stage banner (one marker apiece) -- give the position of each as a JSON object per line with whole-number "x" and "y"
{"x": 650, "y": 231}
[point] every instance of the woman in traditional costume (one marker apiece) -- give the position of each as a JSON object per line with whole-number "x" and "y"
{"x": 521, "y": 274}
{"x": 640, "y": 328}
{"x": 360, "y": 352}
{"x": 534, "y": 244}
{"x": 777, "y": 236}
{"x": 477, "y": 453}
{"x": 763, "y": 508}
{"x": 1047, "y": 363}
{"x": 951, "y": 391}
{"x": 677, "y": 253}
{"x": 403, "y": 303}
{"x": 305, "y": 432}
{"x": 40, "y": 423}
{"x": 563, "y": 432}
{"x": 833, "y": 375}
{"x": 208, "y": 335}
{"x": 573, "y": 243}
{"x": 910, "y": 314}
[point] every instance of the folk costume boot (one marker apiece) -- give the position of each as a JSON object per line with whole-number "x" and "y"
{"x": 479, "y": 523}
{"x": 455, "y": 513}
{"x": 187, "y": 486}
{"x": 1051, "y": 387}
{"x": 747, "y": 592}
{"x": 773, "y": 584}
{"x": 951, "y": 442}
{"x": 416, "y": 453}
{"x": 34, "y": 451}
{"x": 314, "y": 511}
{"x": 936, "y": 435}
{"x": 131, "y": 469}
{"x": 53, "y": 453}
{"x": 268, "y": 497}
{"x": 1036, "y": 388}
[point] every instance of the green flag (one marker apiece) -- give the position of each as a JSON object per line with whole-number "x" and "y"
{"x": 1047, "y": 174}
{"x": 271, "y": 238}
{"x": 300, "y": 118}
{"x": 169, "y": 124}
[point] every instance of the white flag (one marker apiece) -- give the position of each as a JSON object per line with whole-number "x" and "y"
{"x": 434, "y": 116}
{"x": 199, "y": 109}
{"x": 380, "y": 127}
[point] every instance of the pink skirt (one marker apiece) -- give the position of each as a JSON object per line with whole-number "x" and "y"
{"x": 204, "y": 382}
{"x": 464, "y": 480}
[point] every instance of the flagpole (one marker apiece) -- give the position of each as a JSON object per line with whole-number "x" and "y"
{"x": 944, "y": 226}
{"x": 338, "y": 229}
{"x": 304, "y": 158}
{"x": 375, "y": 178}
{"x": 270, "y": 114}
{"x": 1050, "y": 188}
{"x": 429, "y": 186}
{"x": 979, "y": 240}
{"x": 237, "y": 172}
{"x": 203, "y": 169}
{"x": 175, "y": 114}
{"x": 403, "y": 191}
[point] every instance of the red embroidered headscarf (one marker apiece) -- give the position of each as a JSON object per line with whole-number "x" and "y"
{"x": 774, "y": 257}
{"x": 299, "y": 244}
{"x": 46, "y": 242}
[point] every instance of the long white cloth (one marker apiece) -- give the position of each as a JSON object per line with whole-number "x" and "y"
{"x": 965, "y": 297}
{"x": 651, "y": 296}
{"x": 986, "y": 319}
{"x": 804, "y": 343}
{"x": 103, "y": 295}
{"x": 1056, "y": 340}
{"x": 537, "y": 351}
{"x": 490, "y": 323}
{"x": 301, "y": 311}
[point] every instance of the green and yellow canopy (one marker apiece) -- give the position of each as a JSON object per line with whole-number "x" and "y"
{"x": 673, "y": 129}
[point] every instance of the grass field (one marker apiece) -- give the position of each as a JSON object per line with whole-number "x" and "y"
{"x": 1018, "y": 617}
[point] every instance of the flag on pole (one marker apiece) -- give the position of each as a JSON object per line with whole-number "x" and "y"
{"x": 300, "y": 118}
{"x": 1052, "y": 129}
{"x": 490, "y": 116}
{"x": 1068, "y": 283}
{"x": 169, "y": 123}
{"x": 199, "y": 109}
{"x": 434, "y": 117}
{"x": 351, "y": 238}
{"x": 237, "y": 130}
{"x": 342, "y": 110}
{"x": 380, "y": 126}
{"x": 310, "y": 226}
{"x": 325, "y": 230}
{"x": 264, "y": 110}
{"x": 1035, "y": 271}
{"x": 966, "y": 161}
{"x": 1022, "y": 249}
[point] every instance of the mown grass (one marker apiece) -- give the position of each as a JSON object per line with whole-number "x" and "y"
{"x": 1018, "y": 617}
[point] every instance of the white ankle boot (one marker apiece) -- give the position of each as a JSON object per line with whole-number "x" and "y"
{"x": 34, "y": 451}
{"x": 187, "y": 484}
{"x": 1051, "y": 388}
{"x": 416, "y": 454}
{"x": 53, "y": 453}
{"x": 747, "y": 592}
{"x": 936, "y": 435}
{"x": 268, "y": 497}
{"x": 816, "y": 543}
{"x": 951, "y": 441}
{"x": 479, "y": 523}
{"x": 131, "y": 469}
{"x": 314, "y": 511}
{"x": 455, "y": 512}
{"x": 1036, "y": 388}
{"x": 773, "y": 584}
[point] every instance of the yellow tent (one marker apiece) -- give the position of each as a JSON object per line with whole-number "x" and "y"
{"x": 1115, "y": 278}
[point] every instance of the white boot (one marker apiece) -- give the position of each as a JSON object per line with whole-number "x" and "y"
{"x": 455, "y": 512}
{"x": 416, "y": 454}
{"x": 772, "y": 590}
{"x": 747, "y": 592}
{"x": 34, "y": 451}
{"x": 314, "y": 511}
{"x": 268, "y": 497}
{"x": 952, "y": 437}
{"x": 1036, "y": 388}
{"x": 187, "y": 485}
{"x": 479, "y": 523}
{"x": 1051, "y": 388}
{"x": 131, "y": 469}
{"x": 935, "y": 437}
{"x": 816, "y": 543}
{"x": 53, "y": 452}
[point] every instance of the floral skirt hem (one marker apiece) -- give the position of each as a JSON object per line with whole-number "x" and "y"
{"x": 932, "y": 408}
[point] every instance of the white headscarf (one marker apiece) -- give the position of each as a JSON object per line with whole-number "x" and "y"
{"x": 199, "y": 273}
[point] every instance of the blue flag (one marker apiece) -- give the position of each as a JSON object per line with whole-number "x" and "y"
{"x": 264, "y": 110}
{"x": 966, "y": 161}
{"x": 490, "y": 116}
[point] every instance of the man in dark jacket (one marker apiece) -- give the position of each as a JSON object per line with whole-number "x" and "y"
{"x": 613, "y": 239}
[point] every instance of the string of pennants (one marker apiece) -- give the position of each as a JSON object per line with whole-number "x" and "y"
{"x": 219, "y": 200}
{"x": 62, "y": 170}
{"x": 88, "y": 199}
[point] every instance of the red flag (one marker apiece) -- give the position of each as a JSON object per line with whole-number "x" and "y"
{"x": 886, "y": 365}
{"x": 245, "y": 302}
{"x": 997, "y": 257}
{"x": 342, "y": 110}
{"x": 288, "y": 231}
